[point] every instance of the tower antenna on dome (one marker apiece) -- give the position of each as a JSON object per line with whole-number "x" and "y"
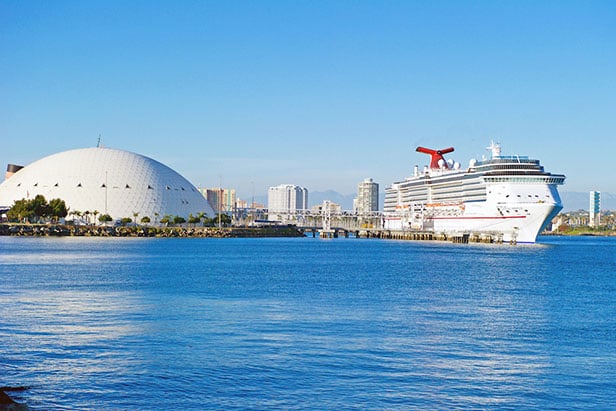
{"x": 98, "y": 144}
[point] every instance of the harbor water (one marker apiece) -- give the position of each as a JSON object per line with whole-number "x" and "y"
{"x": 303, "y": 323}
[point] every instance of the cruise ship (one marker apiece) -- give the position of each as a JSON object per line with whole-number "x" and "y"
{"x": 512, "y": 197}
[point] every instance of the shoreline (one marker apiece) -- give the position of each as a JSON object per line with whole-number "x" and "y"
{"x": 581, "y": 234}
{"x": 62, "y": 230}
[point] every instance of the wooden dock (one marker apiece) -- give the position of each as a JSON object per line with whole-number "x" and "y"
{"x": 457, "y": 238}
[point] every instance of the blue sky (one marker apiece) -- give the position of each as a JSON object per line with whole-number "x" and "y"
{"x": 320, "y": 94}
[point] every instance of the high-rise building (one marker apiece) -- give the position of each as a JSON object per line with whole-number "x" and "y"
{"x": 595, "y": 209}
{"x": 284, "y": 200}
{"x": 222, "y": 200}
{"x": 367, "y": 197}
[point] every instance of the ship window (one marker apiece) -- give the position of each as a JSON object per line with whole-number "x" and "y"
{"x": 79, "y": 185}
{"x": 35, "y": 184}
{"x": 168, "y": 188}
{"x": 150, "y": 187}
{"x": 103, "y": 185}
{"x": 55, "y": 185}
{"x": 19, "y": 185}
{"x": 127, "y": 186}
{"x": 507, "y": 196}
{"x": 519, "y": 195}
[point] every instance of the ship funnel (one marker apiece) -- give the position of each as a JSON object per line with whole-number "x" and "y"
{"x": 11, "y": 169}
{"x": 436, "y": 155}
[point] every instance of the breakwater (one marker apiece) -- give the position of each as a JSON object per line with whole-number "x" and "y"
{"x": 59, "y": 230}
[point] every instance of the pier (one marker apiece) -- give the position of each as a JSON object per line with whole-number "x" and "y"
{"x": 328, "y": 224}
{"x": 457, "y": 238}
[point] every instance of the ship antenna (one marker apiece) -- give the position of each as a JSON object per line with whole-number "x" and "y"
{"x": 98, "y": 144}
{"x": 495, "y": 149}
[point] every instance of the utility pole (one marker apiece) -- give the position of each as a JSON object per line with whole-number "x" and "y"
{"x": 219, "y": 200}
{"x": 105, "y": 192}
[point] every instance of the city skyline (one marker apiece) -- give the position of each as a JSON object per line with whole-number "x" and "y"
{"x": 323, "y": 95}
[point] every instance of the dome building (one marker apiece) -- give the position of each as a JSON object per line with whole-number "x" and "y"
{"x": 107, "y": 181}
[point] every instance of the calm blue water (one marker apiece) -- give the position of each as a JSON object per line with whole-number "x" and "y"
{"x": 199, "y": 324}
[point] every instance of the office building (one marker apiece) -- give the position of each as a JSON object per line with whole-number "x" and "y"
{"x": 222, "y": 200}
{"x": 595, "y": 209}
{"x": 367, "y": 197}
{"x": 284, "y": 200}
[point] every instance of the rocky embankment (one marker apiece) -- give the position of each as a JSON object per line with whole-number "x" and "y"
{"x": 58, "y": 230}
{"x": 7, "y": 403}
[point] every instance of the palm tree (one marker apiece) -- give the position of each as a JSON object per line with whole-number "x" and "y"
{"x": 200, "y": 215}
{"x": 166, "y": 219}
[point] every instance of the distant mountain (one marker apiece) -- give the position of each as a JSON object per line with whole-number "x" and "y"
{"x": 317, "y": 197}
{"x": 573, "y": 201}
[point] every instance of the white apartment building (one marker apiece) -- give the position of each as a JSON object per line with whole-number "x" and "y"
{"x": 284, "y": 200}
{"x": 367, "y": 197}
{"x": 595, "y": 209}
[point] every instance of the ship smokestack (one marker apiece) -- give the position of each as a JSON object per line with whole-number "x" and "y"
{"x": 11, "y": 169}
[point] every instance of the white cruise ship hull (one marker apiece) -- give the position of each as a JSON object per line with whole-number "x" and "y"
{"x": 481, "y": 218}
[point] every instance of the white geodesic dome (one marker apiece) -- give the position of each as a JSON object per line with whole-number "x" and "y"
{"x": 109, "y": 181}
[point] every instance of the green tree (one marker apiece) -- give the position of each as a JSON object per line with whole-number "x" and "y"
{"x": 35, "y": 209}
{"x": 57, "y": 209}
{"x": 193, "y": 220}
{"x": 40, "y": 207}
{"x": 105, "y": 218}
{"x": 166, "y": 219}
{"x": 20, "y": 211}
{"x": 224, "y": 219}
{"x": 126, "y": 221}
{"x": 145, "y": 220}
{"x": 201, "y": 216}
{"x": 178, "y": 220}
{"x": 210, "y": 222}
